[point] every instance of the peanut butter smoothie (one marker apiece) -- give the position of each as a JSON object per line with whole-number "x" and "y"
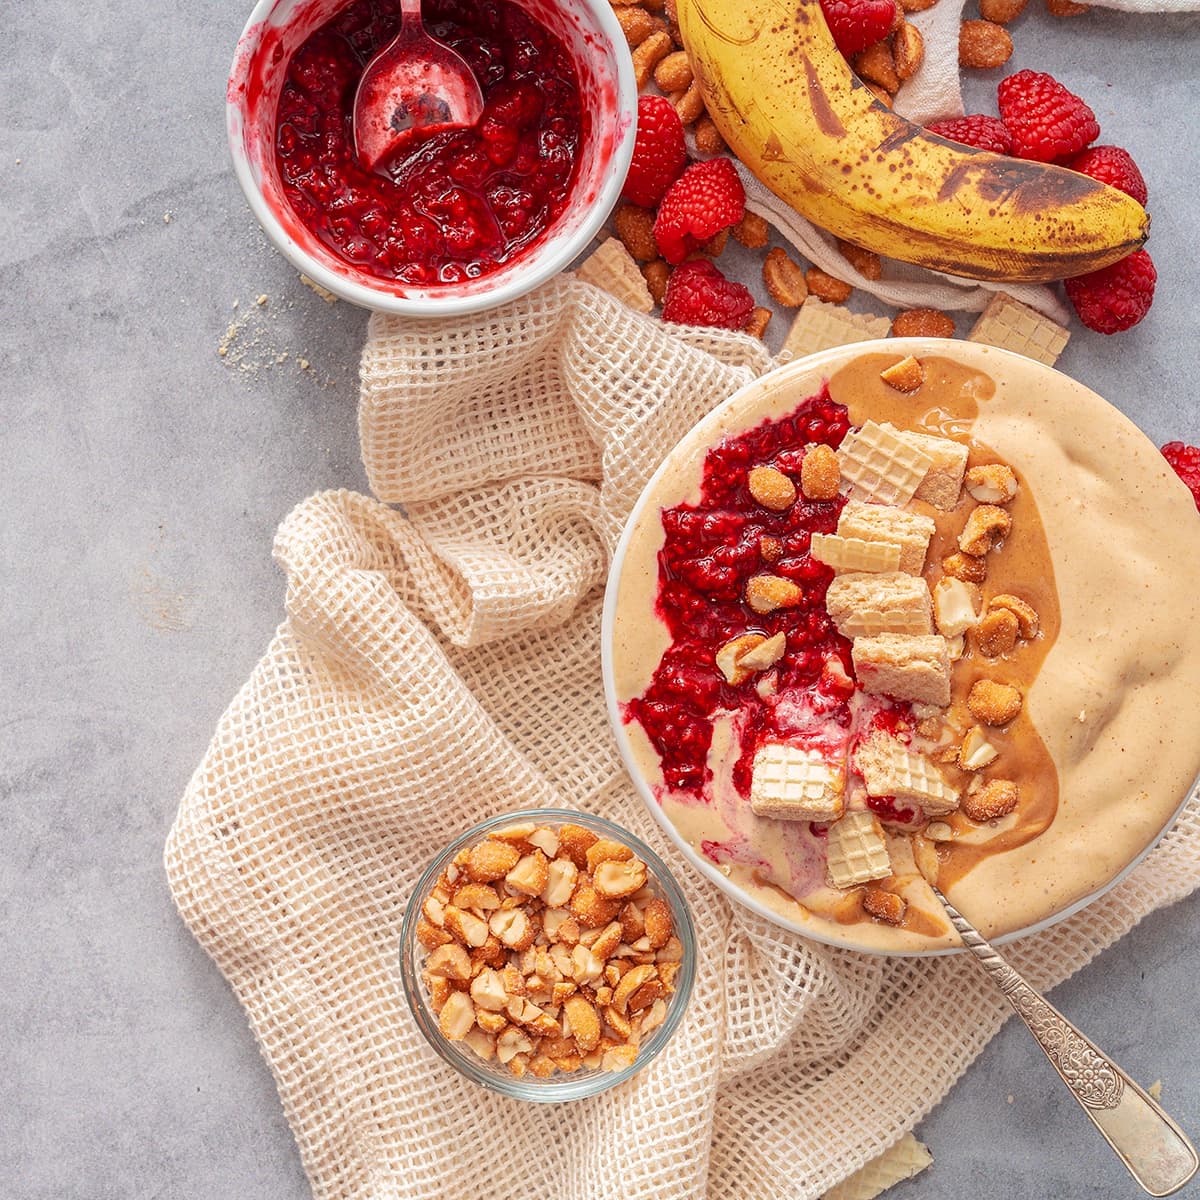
{"x": 922, "y": 610}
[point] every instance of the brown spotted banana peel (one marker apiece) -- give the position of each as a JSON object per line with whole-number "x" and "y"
{"x": 791, "y": 109}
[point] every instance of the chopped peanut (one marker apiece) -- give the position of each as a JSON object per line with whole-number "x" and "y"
{"x": 993, "y": 703}
{"x": 657, "y": 274}
{"x": 760, "y": 318}
{"x": 708, "y": 136}
{"x": 996, "y": 798}
{"x": 1026, "y": 614}
{"x": 771, "y": 488}
{"x": 965, "y": 567}
{"x": 986, "y": 526}
{"x": 491, "y": 860}
{"x": 996, "y": 633}
{"x": 923, "y": 322}
{"x": 877, "y": 65}
{"x": 635, "y": 227}
{"x": 991, "y": 483}
{"x": 766, "y": 593}
{"x": 674, "y": 72}
{"x": 783, "y": 278}
{"x": 884, "y": 906}
{"x": 865, "y": 262}
{"x": 649, "y": 54}
{"x": 752, "y": 231}
{"x": 907, "y": 375}
{"x": 820, "y": 473}
{"x": 825, "y": 287}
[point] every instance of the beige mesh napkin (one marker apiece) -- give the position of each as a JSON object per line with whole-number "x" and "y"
{"x": 437, "y": 667}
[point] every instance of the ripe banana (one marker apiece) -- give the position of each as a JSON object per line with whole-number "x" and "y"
{"x": 791, "y": 109}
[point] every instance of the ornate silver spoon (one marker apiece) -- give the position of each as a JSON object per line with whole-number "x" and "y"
{"x": 1152, "y": 1147}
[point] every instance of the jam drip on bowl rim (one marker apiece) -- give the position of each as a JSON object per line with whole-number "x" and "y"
{"x": 464, "y": 202}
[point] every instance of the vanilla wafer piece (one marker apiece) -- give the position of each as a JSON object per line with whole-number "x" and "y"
{"x": 820, "y": 326}
{"x": 791, "y": 784}
{"x": 904, "y": 666}
{"x": 856, "y": 851}
{"x": 1011, "y": 325}
{"x": 879, "y": 465}
{"x": 854, "y": 554}
{"x": 863, "y": 604}
{"x": 906, "y": 1158}
{"x": 889, "y": 768}
{"x": 943, "y": 481}
{"x": 886, "y": 523}
{"x": 612, "y": 269}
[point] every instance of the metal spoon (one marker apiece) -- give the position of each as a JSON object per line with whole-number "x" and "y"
{"x": 414, "y": 87}
{"x": 1152, "y": 1147}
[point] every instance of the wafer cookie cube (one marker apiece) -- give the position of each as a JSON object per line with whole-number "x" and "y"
{"x": 877, "y": 464}
{"x": 854, "y": 554}
{"x": 1011, "y": 325}
{"x": 819, "y": 326}
{"x": 890, "y": 768}
{"x": 791, "y": 784}
{"x": 885, "y": 523}
{"x": 903, "y": 666}
{"x": 905, "y": 1159}
{"x": 864, "y": 604}
{"x": 612, "y": 268}
{"x": 855, "y": 851}
{"x": 943, "y": 481}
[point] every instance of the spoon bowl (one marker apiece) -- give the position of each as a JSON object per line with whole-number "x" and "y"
{"x": 414, "y": 87}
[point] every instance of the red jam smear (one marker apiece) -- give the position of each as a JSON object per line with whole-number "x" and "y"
{"x": 710, "y": 550}
{"x": 464, "y": 202}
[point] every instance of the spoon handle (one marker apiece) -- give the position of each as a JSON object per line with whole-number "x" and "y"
{"x": 1152, "y": 1147}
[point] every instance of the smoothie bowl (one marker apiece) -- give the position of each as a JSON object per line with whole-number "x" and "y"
{"x": 468, "y": 218}
{"x": 908, "y": 611}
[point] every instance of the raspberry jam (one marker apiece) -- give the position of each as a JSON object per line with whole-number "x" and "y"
{"x": 710, "y": 550}
{"x": 463, "y": 202}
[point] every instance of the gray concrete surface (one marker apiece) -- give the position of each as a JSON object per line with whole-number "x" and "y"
{"x": 143, "y": 477}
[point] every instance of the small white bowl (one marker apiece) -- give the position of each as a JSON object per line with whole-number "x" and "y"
{"x": 589, "y": 30}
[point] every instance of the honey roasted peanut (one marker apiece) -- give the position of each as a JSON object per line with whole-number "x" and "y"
{"x": 771, "y": 488}
{"x": 766, "y": 593}
{"x": 820, "y": 473}
{"x": 983, "y": 45}
{"x": 783, "y": 278}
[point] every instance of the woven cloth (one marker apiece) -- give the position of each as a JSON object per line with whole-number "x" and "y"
{"x": 441, "y": 666}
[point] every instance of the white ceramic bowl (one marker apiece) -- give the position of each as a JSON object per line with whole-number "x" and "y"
{"x": 1099, "y": 442}
{"x": 588, "y": 29}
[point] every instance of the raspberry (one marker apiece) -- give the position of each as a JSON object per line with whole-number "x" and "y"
{"x": 705, "y": 199}
{"x": 987, "y": 133}
{"x": 1046, "y": 121}
{"x": 1111, "y": 165}
{"x": 1115, "y": 297}
{"x": 659, "y": 153}
{"x": 698, "y": 294}
{"x": 857, "y": 24}
{"x": 1185, "y": 462}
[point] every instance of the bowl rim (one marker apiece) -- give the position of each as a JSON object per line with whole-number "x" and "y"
{"x": 520, "y": 281}
{"x": 576, "y": 1086}
{"x": 800, "y": 367}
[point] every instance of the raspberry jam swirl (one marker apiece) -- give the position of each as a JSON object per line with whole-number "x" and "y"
{"x": 463, "y": 202}
{"x": 711, "y": 549}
